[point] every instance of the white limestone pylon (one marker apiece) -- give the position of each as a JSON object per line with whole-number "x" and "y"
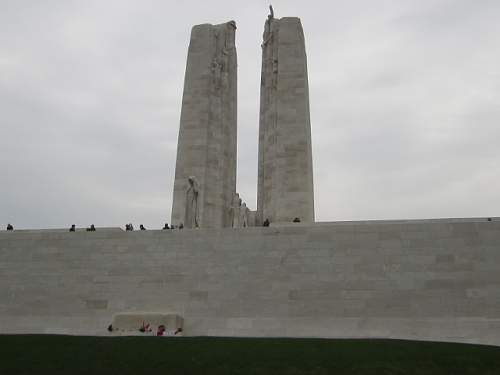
{"x": 285, "y": 179}
{"x": 206, "y": 148}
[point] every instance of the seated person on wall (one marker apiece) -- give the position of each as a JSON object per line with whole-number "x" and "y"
{"x": 73, "y": 228}
{"x": 161, "y": 330}
{"x": 10, "y": 227}
{"x": 129, "y": 227}
{"x": 142, "y": 227}
{"x": 91, "y": 229}
{"x": 266, "y": 223}
{"x": 296, "y": 220}
{"x": 181, "y": 226}
{"x": 166, "y": 226}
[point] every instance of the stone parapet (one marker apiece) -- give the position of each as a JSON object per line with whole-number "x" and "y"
{"x": 407, "y": 279}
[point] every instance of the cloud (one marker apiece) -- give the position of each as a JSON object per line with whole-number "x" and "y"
{"x": 404, "y": 107}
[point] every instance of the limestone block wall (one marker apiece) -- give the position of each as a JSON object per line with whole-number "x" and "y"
{"x": 206, "y": 147}
{"x": 285, "y": 172}
{"x": 430, "y": 280}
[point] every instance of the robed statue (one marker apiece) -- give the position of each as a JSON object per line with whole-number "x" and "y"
{"x": 235, "y": 211}
{"x": 243, "y": 222}
{"x": 191, "y": 219}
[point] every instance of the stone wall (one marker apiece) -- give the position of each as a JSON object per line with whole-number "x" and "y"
{"x": 429, "y": 279}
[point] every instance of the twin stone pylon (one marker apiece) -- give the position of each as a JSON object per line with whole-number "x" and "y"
{"x": 205, "y": 174}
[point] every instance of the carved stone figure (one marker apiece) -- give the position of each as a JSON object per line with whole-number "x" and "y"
{"x": 216, "y": 74}
{"x": 191, "y": 216}
{"x": 266, "y": 37}
{"x": 235, "y": 211}
{"x": 244, "y": 216}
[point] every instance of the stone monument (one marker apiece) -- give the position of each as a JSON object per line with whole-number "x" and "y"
{"x": 285, "y": 177}
{"x": 191, "y": 214}
{"x": 207, "y": 136}
{"x": 434, "y": 279}
{"x": 235, "y": 211}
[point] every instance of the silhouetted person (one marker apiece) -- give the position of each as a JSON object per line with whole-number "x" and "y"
{"x": 110, "y": 328}
{"x": 129, "y": 227}
{"x": 266, "y": 223}
{"x": 142, "y": 227}
{"x": 73, "y": 228}
{"x": 166, "y": 226}
{"x": 296, "y": 220}
{"x": 161, "y": 330}
{"x": 91, "y": 229}
{"x": 181, "y": 226}
{"x": 10, "y": 227}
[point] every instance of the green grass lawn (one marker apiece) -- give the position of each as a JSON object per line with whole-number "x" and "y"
{"x": 48, "y": 354}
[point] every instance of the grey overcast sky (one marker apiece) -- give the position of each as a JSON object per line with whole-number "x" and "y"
{"x": 405, "y": 110}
